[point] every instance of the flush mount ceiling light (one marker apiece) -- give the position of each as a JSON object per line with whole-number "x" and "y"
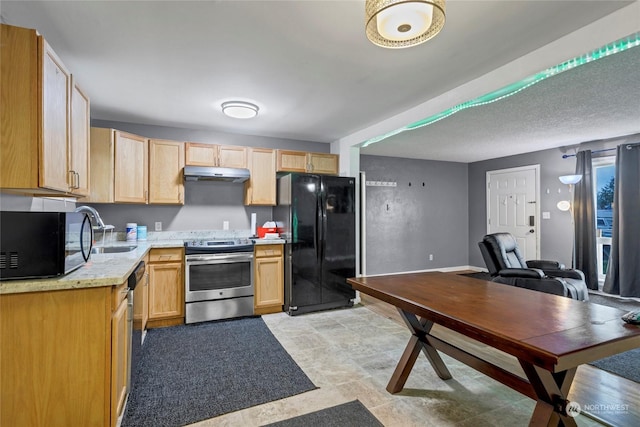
{"x": 401, "y": 23}
{"x": 240, "y": 109}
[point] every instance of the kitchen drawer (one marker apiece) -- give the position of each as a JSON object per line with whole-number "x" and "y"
{"x": 166, "y": 255}
{"x": 118, "y": 294}
{"x": 268, "y": 250}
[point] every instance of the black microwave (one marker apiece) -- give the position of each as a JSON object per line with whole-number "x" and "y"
{"x": 43, "y": 244}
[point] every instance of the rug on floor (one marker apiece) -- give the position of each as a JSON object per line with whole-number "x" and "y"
{"x": 625, "y": 364}
{"x": 352, "y": 414}
{"x": 190, "y": 373}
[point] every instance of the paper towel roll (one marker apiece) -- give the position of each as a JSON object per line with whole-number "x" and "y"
{"x": 253, "y": 225}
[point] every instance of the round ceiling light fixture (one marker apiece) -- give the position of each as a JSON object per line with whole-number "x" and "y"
{"x": 401, "y": 23}
{"x": 240, "y": 109}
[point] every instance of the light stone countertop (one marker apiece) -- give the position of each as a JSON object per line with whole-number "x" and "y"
{"x": 101, "y": 270}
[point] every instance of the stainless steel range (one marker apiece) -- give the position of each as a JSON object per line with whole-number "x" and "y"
{"x": 218, "y": 279}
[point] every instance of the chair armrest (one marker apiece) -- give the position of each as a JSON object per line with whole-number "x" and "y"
{"x": 569, "y": 274}
{"x": 544, "y": 264}
{"x": 531, "y": 273}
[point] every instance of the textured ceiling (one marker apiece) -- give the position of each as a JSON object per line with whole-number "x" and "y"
{"x": 598, "y": 100}
{"x": 310, "y": 68}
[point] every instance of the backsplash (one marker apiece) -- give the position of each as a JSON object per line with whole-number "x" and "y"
{"x": 121, "y": 236}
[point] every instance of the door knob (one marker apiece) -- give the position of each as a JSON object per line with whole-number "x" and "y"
{"x": 532, "y": 231}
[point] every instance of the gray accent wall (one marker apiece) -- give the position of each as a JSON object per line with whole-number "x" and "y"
{"x": 408, "y": 222}
{"x": 555, "y": 233}
{"x": 207, "y": 205}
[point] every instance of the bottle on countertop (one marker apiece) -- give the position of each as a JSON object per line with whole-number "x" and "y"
{"x": 132, "y": 232}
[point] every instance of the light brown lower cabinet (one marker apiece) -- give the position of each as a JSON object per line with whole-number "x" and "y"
{"x": 63, "y": 357}
{"x": 119, "y": 351}
{"x": 268, "y": 279}
{"x": 166, "y": 287}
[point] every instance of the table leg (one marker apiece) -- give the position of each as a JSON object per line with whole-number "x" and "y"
{"x": 551, "y": 390}
{"x": 419, "y": 329}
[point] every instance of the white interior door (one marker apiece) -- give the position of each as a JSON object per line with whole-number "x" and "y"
{"x": 512, "y": 207}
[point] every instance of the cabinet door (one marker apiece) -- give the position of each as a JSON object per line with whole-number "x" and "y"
{"x": 292, "y": 161}
{"x": 130, "y": 169}
{"x": 323, "y": 163}
{"x": 269, "y": 286}
{"x": 201, "y": 154}
{"x": 79, "y": 141}
{"x": 119, "y": 359}
{"x": 260, "y": 189}
{"x": 21, "y": 123}
{"x": 102, "y": 149}
{"x": 56, "y": 83}
{"x": 165, "y": 291}
{"x": 166, "y": 161}
{"x": 232, "y": 156}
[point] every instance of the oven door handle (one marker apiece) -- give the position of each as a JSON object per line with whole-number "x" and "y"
{"x": 202, "y": 259}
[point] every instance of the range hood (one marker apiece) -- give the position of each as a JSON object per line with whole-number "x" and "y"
{"x": 206, "y": 173}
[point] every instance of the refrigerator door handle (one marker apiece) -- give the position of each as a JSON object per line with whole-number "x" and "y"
{"x": 323, "y": 212}
{"x": 317, "y": 234}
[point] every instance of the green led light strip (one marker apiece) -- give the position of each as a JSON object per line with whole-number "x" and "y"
{"x": 607, "y": 50}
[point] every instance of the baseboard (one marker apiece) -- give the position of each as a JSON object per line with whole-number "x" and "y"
{"x": 442, "y": 269}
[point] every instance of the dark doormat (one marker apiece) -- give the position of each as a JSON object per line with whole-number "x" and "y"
{"x": 190, "y": 373}
{"x": 627, "y": 364}
{"x": 352, "y": 414}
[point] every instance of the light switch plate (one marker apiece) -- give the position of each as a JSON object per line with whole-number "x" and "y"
{"x": 546, "y": 215}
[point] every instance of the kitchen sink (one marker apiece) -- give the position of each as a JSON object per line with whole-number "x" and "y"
{"x": 111, "y": 249}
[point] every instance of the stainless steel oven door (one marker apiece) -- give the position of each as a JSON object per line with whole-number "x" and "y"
{"x": 218, "y": 276}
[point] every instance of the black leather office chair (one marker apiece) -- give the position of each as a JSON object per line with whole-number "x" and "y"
{"x": 506, "y": 265}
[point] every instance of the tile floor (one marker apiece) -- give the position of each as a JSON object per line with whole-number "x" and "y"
{"x": 350, "y": 354}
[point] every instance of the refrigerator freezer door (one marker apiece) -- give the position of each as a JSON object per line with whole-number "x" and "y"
{"x": 305, "y": 288}
{"x": 338, "y": 250}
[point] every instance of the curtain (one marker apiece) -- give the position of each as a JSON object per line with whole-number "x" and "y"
{"x": 584, "y": 218}
{"x": 623, "y": 272}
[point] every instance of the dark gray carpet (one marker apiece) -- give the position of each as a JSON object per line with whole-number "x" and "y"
{"x": 351, "y": 414}
{"x": 627, "y": 364}
{"x": 189, "y": 373}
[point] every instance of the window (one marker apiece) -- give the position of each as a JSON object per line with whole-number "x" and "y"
{"x": 604, "y": 172}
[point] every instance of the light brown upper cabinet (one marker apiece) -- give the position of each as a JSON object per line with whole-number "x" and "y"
{"x": 260, "y": 189}
{"x": 131, "y": 180}
{"x": 79, "y": 163}
{"x": 119, "y": 167}
{"x": 228, "y": 156}
{"x": 304, "y": 162}
{"x": 37, "y": 154}
{"x": 166, "y": 161}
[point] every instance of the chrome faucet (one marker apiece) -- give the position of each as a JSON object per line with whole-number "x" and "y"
{"x": 94, "y": 217}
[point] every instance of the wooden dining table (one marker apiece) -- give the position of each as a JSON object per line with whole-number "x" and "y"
{"x": 549, "y": 335}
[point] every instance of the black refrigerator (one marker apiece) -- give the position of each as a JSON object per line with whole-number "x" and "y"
{"x": 317, "y": 214}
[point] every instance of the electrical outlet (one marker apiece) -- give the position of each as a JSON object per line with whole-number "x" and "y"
{"x": 225, "y": 225}
{"x": 430, "y": 257}
{"x": 158, "y": 225}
